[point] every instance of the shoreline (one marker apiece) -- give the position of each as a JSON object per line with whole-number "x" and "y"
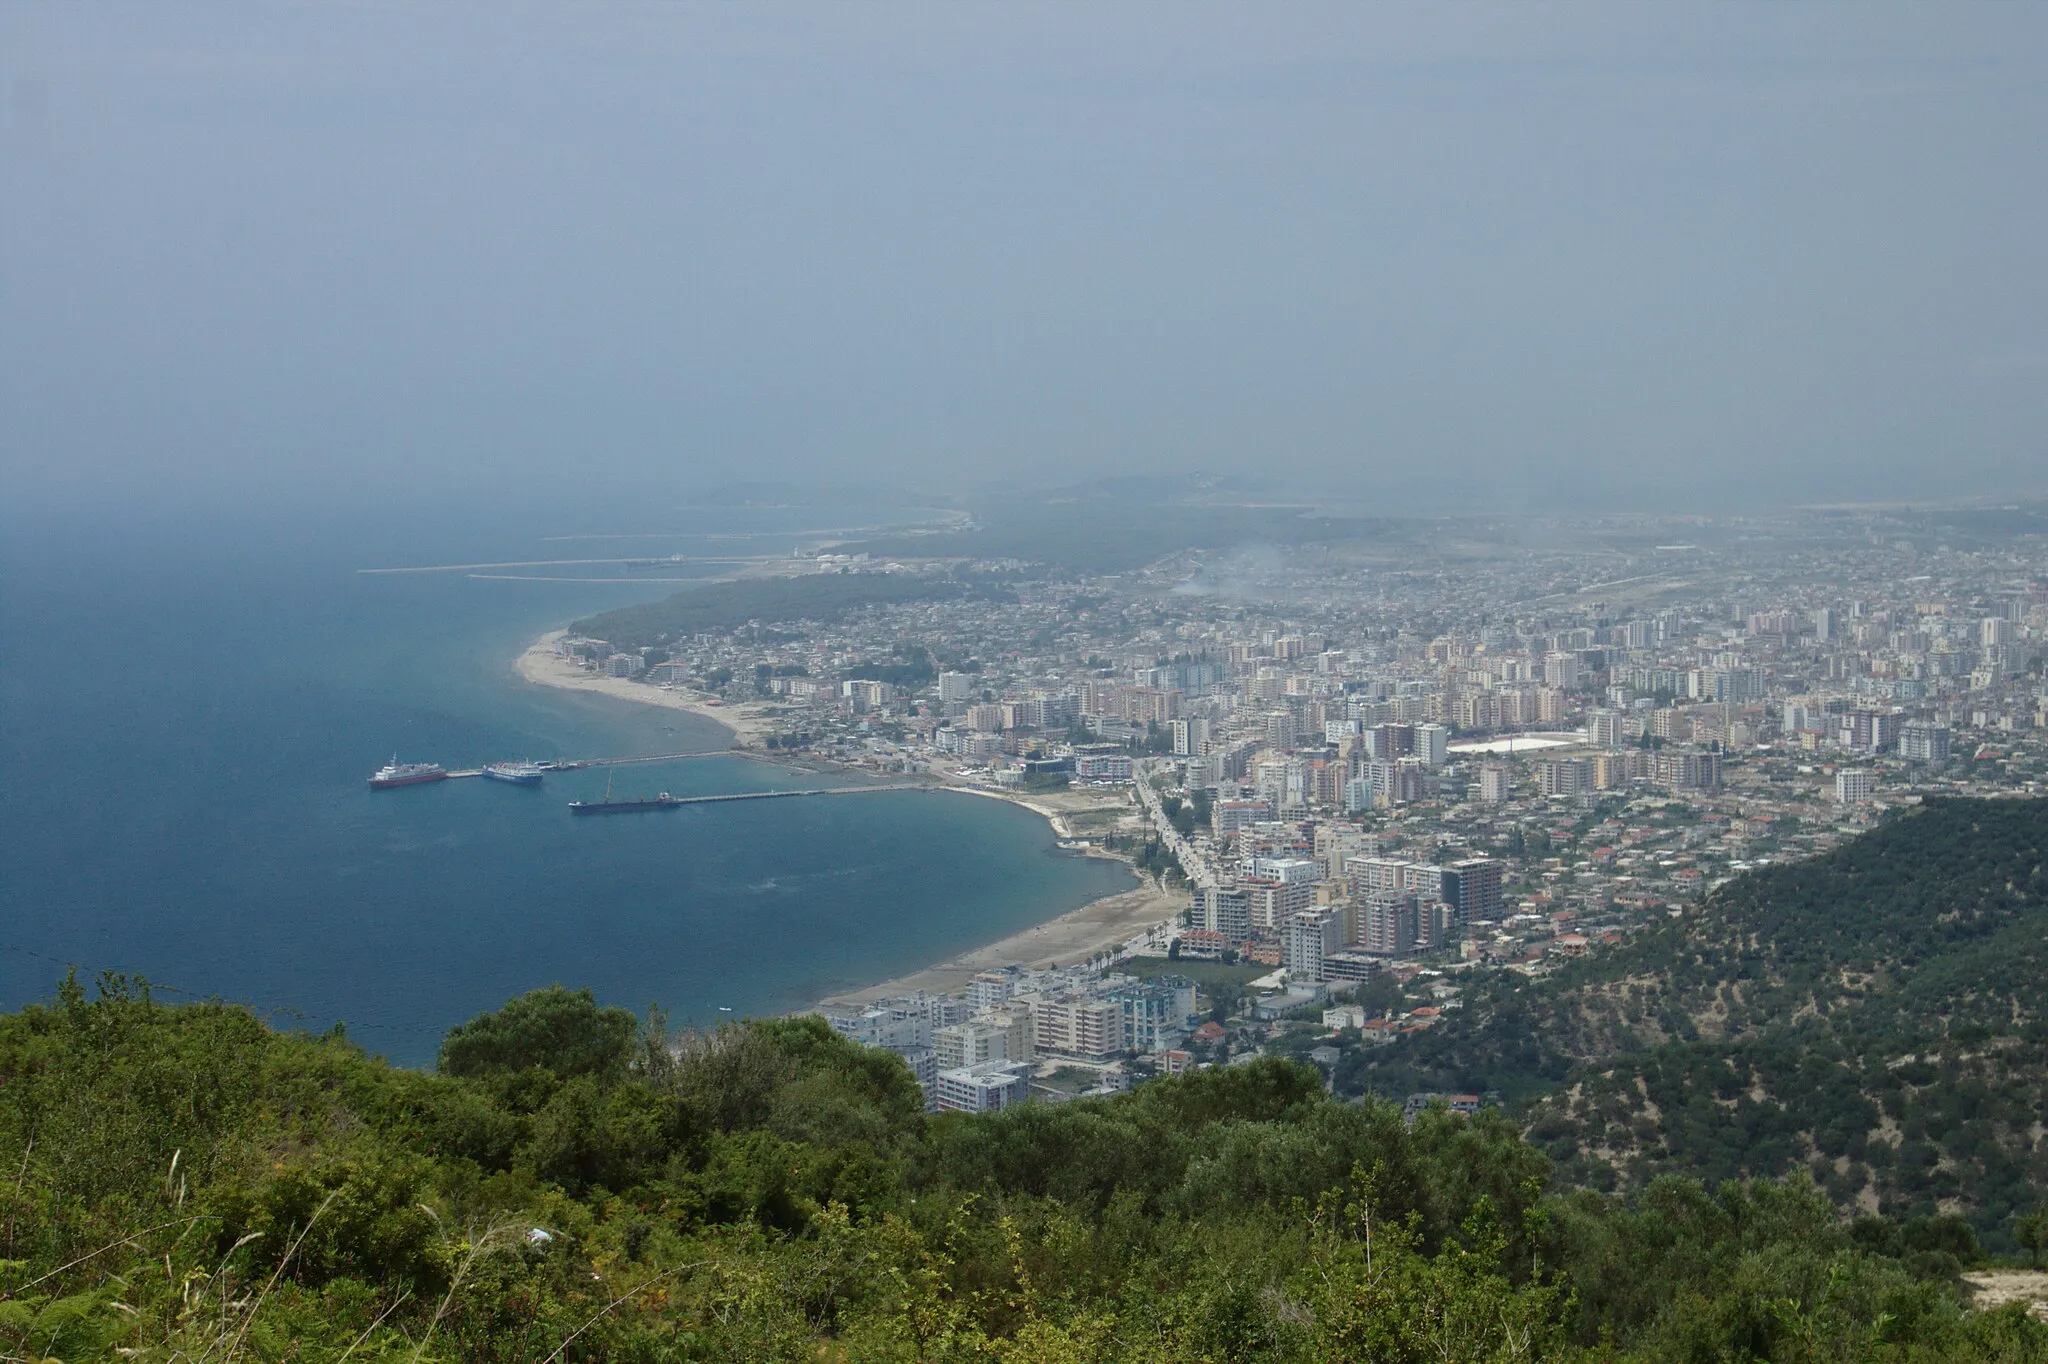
{"x": 540, "y": 665}
{"x": 1102, "y": 924}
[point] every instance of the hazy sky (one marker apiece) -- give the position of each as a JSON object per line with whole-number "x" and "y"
{"x": 1622, "y": 254}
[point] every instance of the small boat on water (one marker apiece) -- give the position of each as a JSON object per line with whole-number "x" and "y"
{"x": 518, "y": 774}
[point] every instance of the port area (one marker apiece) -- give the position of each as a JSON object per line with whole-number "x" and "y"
{"x": 574, "y": 764}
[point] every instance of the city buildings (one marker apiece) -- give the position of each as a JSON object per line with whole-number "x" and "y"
{"x": 1486, "y": 760}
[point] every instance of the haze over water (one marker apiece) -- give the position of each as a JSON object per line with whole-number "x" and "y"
{"x": 187, "y": 722}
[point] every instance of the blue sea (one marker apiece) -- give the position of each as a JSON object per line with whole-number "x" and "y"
{"x": 188, "y": 715}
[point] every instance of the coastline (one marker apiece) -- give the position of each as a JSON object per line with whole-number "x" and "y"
{"x": 1053, "y": 816}
{"x": 1102, "y": 924}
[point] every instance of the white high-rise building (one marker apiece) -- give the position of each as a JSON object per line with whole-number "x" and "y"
{"x": 1228, "y": 912}
{"x": 1287, "y": 870}
{"x": 1388, "y": 923}
{"x": 969, "y": 1044}
{"x": 924, "y": 1065}
{"x": 956, "y": 686}
{"x": 1924, "y": 743}
{"x": 1496, "y": 783}
{"x": 1607, "y": 728}
{"x": 1854, "y": 785}
{"x": 1563, "y": 776}
{"x": 1433, "y": 744}
{"x": 1273, "y": 902}
{"x": 983, "y": 1088}
{"x": 1306, "y": 939}
{"x": 1077, "y": 1025}
{"x": 991, "y": 989}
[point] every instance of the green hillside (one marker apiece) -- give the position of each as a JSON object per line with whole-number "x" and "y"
{"x": 1875, "y": 1016}
{"x": 571, "y": 1185}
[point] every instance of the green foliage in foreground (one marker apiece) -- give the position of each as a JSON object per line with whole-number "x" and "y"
{"x": 187, "y": 1185}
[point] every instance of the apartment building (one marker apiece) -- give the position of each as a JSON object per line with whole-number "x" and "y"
{"x": 984, "y": 1088}
{"x": 969, "y": 1044}
{"x": 1227, "y": 911}
{"x": 1388, "y": 923}
{"x": 1307, "y": 940}
{"x": 1157, "y": 1013}
{"x": 1079, "y": 1026}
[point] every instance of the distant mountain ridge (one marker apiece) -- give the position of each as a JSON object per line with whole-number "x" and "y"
{"x": 780, "y": 493}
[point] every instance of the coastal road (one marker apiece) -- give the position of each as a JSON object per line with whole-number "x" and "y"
{"x": 1192, "y": 864}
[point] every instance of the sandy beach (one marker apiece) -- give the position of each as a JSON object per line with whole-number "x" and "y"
{"x": 540, "y": 664}
{"x": 1098, "y": 926}
{"x": 1059, "y": 809}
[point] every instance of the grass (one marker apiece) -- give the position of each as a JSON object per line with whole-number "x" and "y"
{"x": 1208, "y": 976}
{"x": 1070, "y": 1080}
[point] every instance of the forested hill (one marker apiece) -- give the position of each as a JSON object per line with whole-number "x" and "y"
{"x": 1878, "y": 1015}
{"x": 182, "y": 1184}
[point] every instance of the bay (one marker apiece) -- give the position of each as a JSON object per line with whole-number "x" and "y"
{"x": 187, "y": 722}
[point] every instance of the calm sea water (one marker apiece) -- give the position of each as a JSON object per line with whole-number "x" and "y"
{"x": 187, "y": 720}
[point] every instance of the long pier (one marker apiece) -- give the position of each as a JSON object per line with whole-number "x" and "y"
{"x": 573, "y": 764}
{"x": 820, "y": 791}
{"x": 749, "y": 754}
